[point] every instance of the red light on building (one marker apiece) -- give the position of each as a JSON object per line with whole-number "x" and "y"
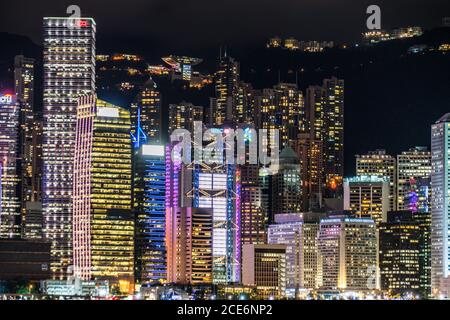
{"x": 82, "y": 23}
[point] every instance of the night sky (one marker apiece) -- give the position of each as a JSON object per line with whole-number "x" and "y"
{"x": 179, "y": 24}
{"x": 391, "y": 99}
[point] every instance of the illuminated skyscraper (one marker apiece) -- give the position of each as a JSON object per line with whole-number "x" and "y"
{"x": 218, "y": 187}
{"x": 378, "y": 163}
{"x": 183, "y": 115}
{"x": 24, "y": 88}
{"x": 245, "y": 107}
{"x": 253, "y": 214}
{"x": 299, "y": 233}
{"x": 418, "y": 200}
{"x": 309, "y": 151}
{"x": 288, "y": 231}
{"x": 10, "y": 221}
{"x": 348, "y": 249}
{"x": 287, "y": 185}
{"x": 367, "y": 196}
{"x": 189, "y": 240}
{"x": 290, "y": 112}
{"x": 325, "y": 114}
{"x": 400, "y": 253}
{"x": 146, "y": 114}
{"x": 227, "y": 84}
{"x": 149, "y": 196}
{"x": 282, "y": 108}
{"x": 412, "y": 164}
{"x": 30, "y": 149}
{"x": 69, "y": 71}
{"x": 103, "y": 223}
{"x": 440, "y": 207}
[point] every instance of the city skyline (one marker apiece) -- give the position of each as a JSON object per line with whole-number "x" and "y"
{"x": 144, "y": 199}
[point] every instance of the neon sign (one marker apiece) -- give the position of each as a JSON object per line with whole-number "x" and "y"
{"x": 82, "y": 23}
{"x": 6, "y": 99}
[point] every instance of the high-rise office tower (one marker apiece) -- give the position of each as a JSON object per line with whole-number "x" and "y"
{"x": 400, "y": 253}
{"x": 103, "y": 223}
{"x": 333, "y": 147}
{"x": 149, "y": 196}
{"x": 291, "y": 112}
{"x": 299, "y": 233}
{"x": 10, "y": 219}
{"x": 214, "y": 184}
{"x": 418, "y": 201}
{"x": 30, "y": 149}
{"x": 309, "y": 151}
{"x": 440, "y": 207}
{"x": 146, "y": 114}
{"x": 226, "y": 86}
{"x": 325, "y": 118}
{"x": 314, "y": 108}
{"x": 189, "y": 240}
{"x": 378, "y": 163}
{"x": 264, "y": 267}
{"x": 218, "y": 187}
{"x": 367, "y": 196}
{"x": 245, "y": 107}
{"x": 281, "y": 107}
{"x": 183, "y": 115}
{"x": 24, "y": 89}
{"x": 253, "y": 214}
{"x": 287, "y": 230}
{"x": 348, "y": 248}
{"x": 69, "y": 71}
{"x": 286, "y": 184}
{"x": 412, "y": 164}
{"x": 311, "y": 270}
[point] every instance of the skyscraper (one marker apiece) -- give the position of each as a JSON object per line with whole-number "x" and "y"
{"x": 378, "y": 163}
{"x": 281, "y": 107}
{"x": 348, "y": 248}
{"x": 103, "y": 223}
{"x": 417, "y": 199}
{"x": 183, "y": 115}
{"x": 24, "y": 89}
{"x": 10, "y": 219}
{"x": 288, "y": 231}
{"x": 412, "y": 164}
{"x": 286, "y": 184}
{"x": 189, "y": 234}
{"x": 309, "y": 151}
{"x": 325, "y": 114}
{"x": 146, "y": 114}
{"x": 149, "y": 196}
{"x": 367, "y": 196}
{"x": 245, "y": 107}
{"x": 69, "y": 72}
{"x": 440, "y": 207}
{"x": 299, "y": 233}
{"x": 400, "y": 253}
{"x": 218, "y": 187}
{"x": 253, "y": 214}
{"x": 226, "y": 86}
